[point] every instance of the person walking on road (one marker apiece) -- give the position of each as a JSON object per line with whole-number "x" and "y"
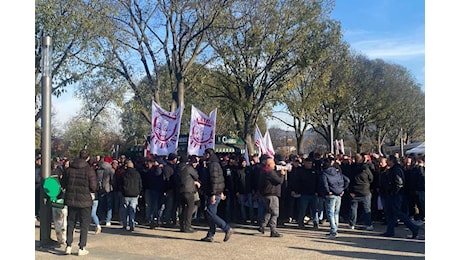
{"x": 392, "y": 187}
{"x": 79, "y": 182}
{"x": 214, "y": 192}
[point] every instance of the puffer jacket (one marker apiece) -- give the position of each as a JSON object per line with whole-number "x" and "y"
{"x": 216, "y": 177}
{"x": 79, "y": 182}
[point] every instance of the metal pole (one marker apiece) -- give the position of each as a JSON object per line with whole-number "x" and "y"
{"x": 402, "y": 145}
{"x": 45, "y": 209}
{"x": 331, "y": 121}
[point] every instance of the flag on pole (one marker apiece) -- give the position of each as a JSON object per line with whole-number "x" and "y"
{"x": 165, "y": 130}
{"x": 269, "y": 144}
{"x": 341, "y": 147}
{"x": 246, "y": 155}
{"x": 147, "y": 146}
{"x": 202, "y": 131}
{"x": 259, "y": 141}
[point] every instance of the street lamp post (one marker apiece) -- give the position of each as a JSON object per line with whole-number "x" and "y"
{"x": 331, "y": 121}
{"x": 402, "y": 145}
{"x": 45, "y": 209}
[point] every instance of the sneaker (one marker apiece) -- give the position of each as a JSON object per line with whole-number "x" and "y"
{"x": 207, "y": 239}
{"x": 68, "y": 250}
{"x": 108, "y": 224}
{"x": 331, "y": 235}
{"x": 275, "y": 234}
{"x": 98, "y": 229}
{"x": 351, "y": 227}
{"x": 228, "y": 234}
{"x": 370, "y": 228}
{"x": 82, "y": 252}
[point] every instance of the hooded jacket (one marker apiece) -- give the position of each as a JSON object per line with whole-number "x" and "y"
{"x": 105, "y": 174}
{"x": 332, "y": 180}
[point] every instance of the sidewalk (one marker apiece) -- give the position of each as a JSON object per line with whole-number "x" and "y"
{"x": 246, "y": 243}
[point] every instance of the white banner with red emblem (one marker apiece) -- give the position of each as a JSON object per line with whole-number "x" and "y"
{"x": 165, "y": 130}
{"x": 202, "y": 131}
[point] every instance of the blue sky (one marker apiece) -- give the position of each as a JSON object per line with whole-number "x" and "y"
{"x": 392, "y": 30}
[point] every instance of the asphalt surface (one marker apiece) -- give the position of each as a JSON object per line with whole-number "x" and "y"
{"x": 245, "y": 243}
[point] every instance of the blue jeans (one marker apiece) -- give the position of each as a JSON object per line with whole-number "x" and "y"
{"x": 243, "y": 199}
{"x": 392, "y": 209}
{"x": 309, "y": 202}
{"x": 213, "y": 219}
{"x": 333, "y": 210}
{"x": 153, "y": 200}
{"x": 321, "y": 202}
{"x": 94, "y": 212}
{"x": 366, "y": 201}
{"x": 129, "y": 211}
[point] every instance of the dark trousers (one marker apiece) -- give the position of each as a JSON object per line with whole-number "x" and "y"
{"x": 37, "y": 202}
{"x": 393, "y": 212}
{"x": 186, "y": 202}
{"x": 170, "y": 210}
{"x": 82, "y": 215}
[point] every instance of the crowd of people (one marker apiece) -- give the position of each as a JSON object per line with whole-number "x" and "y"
{"x": 225, "y": 189}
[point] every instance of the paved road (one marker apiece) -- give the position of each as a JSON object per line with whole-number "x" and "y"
{"x": 246, "y": 243}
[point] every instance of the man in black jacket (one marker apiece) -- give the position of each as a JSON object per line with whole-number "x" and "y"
{"x": 79, "y": 182}
{"x": 131, "y": 188}
{"x": 270, "y": 188}
{"x": 306, "y": 184}
{"x": 361, "y": 178}
{"x": 214, "y": 194}
{"x": 186, "y": 182}
{"x": 391, "y": 190}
